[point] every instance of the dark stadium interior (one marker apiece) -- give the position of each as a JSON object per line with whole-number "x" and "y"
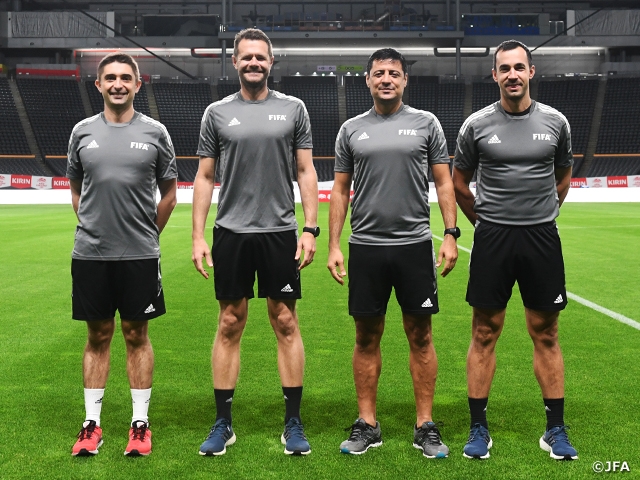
{"x": 38, "y": 110}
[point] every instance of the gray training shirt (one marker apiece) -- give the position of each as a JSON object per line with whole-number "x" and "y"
{"x": 515, "y": 157}
{"x": 389, "y": 157}
{"x": 119, "y": 165}
{"x": 253, "y": 143}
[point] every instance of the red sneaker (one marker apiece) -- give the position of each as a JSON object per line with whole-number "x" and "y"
{"x": 89, "y": 440}
{"x": 139, "y": 439}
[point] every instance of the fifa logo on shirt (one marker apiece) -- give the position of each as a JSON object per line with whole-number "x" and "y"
{"x": 542, "y": 136}
{"x": 278, "y": 117}
{"x": 139, "y": 146}
{"x": 408, "y": 132}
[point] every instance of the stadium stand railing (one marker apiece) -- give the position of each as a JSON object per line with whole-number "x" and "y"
{"x": 20, "y": 166}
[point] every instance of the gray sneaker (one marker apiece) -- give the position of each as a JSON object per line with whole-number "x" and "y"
{"x": 427, "y": 438}
{"x": 363, "y": 436}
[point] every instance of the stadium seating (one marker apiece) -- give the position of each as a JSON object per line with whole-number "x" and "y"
{"x": 445, "y": 100}
{"x": 611, "y": 166}
{"x": 54, "y": 106}
{"x": 140, "y": 102}
{"x": 577, "y": 166}
{"x": 324, "y": 169}
{"x": 620, "y": 124}
{"x": 320, "y": 95}
{"x": 57, "y": 165}
{"x": 484, "y": 93}
{"x": 12, "y": 140}
{"x": 576, "y": 100}
{"x": 181, "y": 106}
{"x": 187, "y": 169}
{"x": 358, "y": 96}
{"x": 21, "y": 166}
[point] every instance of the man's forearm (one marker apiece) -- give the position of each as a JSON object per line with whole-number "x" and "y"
{"x": 308, "y": 184}
{"x": 202, "y": 194}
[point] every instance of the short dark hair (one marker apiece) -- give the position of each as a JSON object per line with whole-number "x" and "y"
{"x": 251, "y": 34}
{"x": 510, "y": 45}
{"x": 387, "y": 54}
{"x": 120, "y": 58}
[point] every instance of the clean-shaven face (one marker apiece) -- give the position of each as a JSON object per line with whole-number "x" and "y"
{"x": 386, "y": 80}
{"x": 118, "y": 86}
{"x": 253, "y": 63}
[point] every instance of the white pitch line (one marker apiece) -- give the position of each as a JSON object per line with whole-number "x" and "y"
{"x": 594, "y": 306}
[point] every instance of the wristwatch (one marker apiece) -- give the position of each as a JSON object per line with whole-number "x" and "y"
{"x": 454, "y": 232}
{"x": 315, "y": 231}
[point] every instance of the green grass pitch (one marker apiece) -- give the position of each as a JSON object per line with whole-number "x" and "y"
{"x": 41, "y": 400}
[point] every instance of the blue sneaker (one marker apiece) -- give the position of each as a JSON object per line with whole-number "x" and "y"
{"x": 219, "y": 437}
{"x": 556, "y": 442}
{"x": 479, "y": 443}
{"x": 293, "y": 438}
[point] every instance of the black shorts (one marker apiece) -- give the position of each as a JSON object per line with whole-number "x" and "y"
{"x": 132, "y": 287}
{"x": 238, "y": 256}
{"x": 374, "y": 270}
{"x": 532, "y": 256}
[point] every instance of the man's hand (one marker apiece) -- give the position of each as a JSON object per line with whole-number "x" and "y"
{"x": 449, "y": 252}
{"x": 307, "y": 242}
{"x": 336, "y": 265}
{"x": 200, "y": 250}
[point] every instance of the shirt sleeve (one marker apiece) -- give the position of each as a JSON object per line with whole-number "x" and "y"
{"x": 467, "y": 156}
{"x": 74, "y": 165}
{"x": 437, "y": 149}
{"x": 302, "y": 135}
{"x": 344, "y": 155}
{"x": 208, "y": 145}
{"x": 564, "y": 153}
{"x": 166, "y": 167}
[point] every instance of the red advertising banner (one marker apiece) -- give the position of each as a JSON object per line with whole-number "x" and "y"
{"x": 21, "y": 181}
{"x": 185, "y": 185}
{"x": 60, "y": 183}
{"x": 325, "y": 195}
{"x": 579, "y": 183}
{"x": 616, "y": 182}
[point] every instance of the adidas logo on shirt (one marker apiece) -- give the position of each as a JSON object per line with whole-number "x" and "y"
{"x": 287, "y": 289}
{"x": 494, "y": 139}
{"x": 427, "y": 303}
{"x": 150, "y": 309}
{"x": 364, "y": 136}
{"x": 233, "y": 122}
{"x": 558, "y": 300}
{"x": 93, "y": 144}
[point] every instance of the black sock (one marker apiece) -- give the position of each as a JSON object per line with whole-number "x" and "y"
{"x": 292, "y": 399}
{"x": 478, "y": 409}
{"x": 223, "y": 403}
{"x": 554, "y": 408}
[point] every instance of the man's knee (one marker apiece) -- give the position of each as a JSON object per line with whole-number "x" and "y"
{"x": 135, "y": 333}
{"x": 284, "y": 319}
{"x": 418, "y": 331}
{"x": 369, "y": 333}
{"x": 487, "y": 325}
{"x": 100, "y": 333}
{"x": 233, "y": 317}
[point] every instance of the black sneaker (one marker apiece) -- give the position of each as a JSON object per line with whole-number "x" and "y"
{"x": 363, "y": 436}
{"x": 427, "y": 438}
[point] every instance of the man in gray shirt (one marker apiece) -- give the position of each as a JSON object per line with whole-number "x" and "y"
{"x": 256, "y": 139}
{"x": 116, "y": 162}
{"x": 388, "y": 151}
{"x": 521, "y": 151}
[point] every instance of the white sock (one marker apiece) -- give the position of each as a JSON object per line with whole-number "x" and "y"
{"x": 93, "y": 403}
{"x": 140, "y": 400}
